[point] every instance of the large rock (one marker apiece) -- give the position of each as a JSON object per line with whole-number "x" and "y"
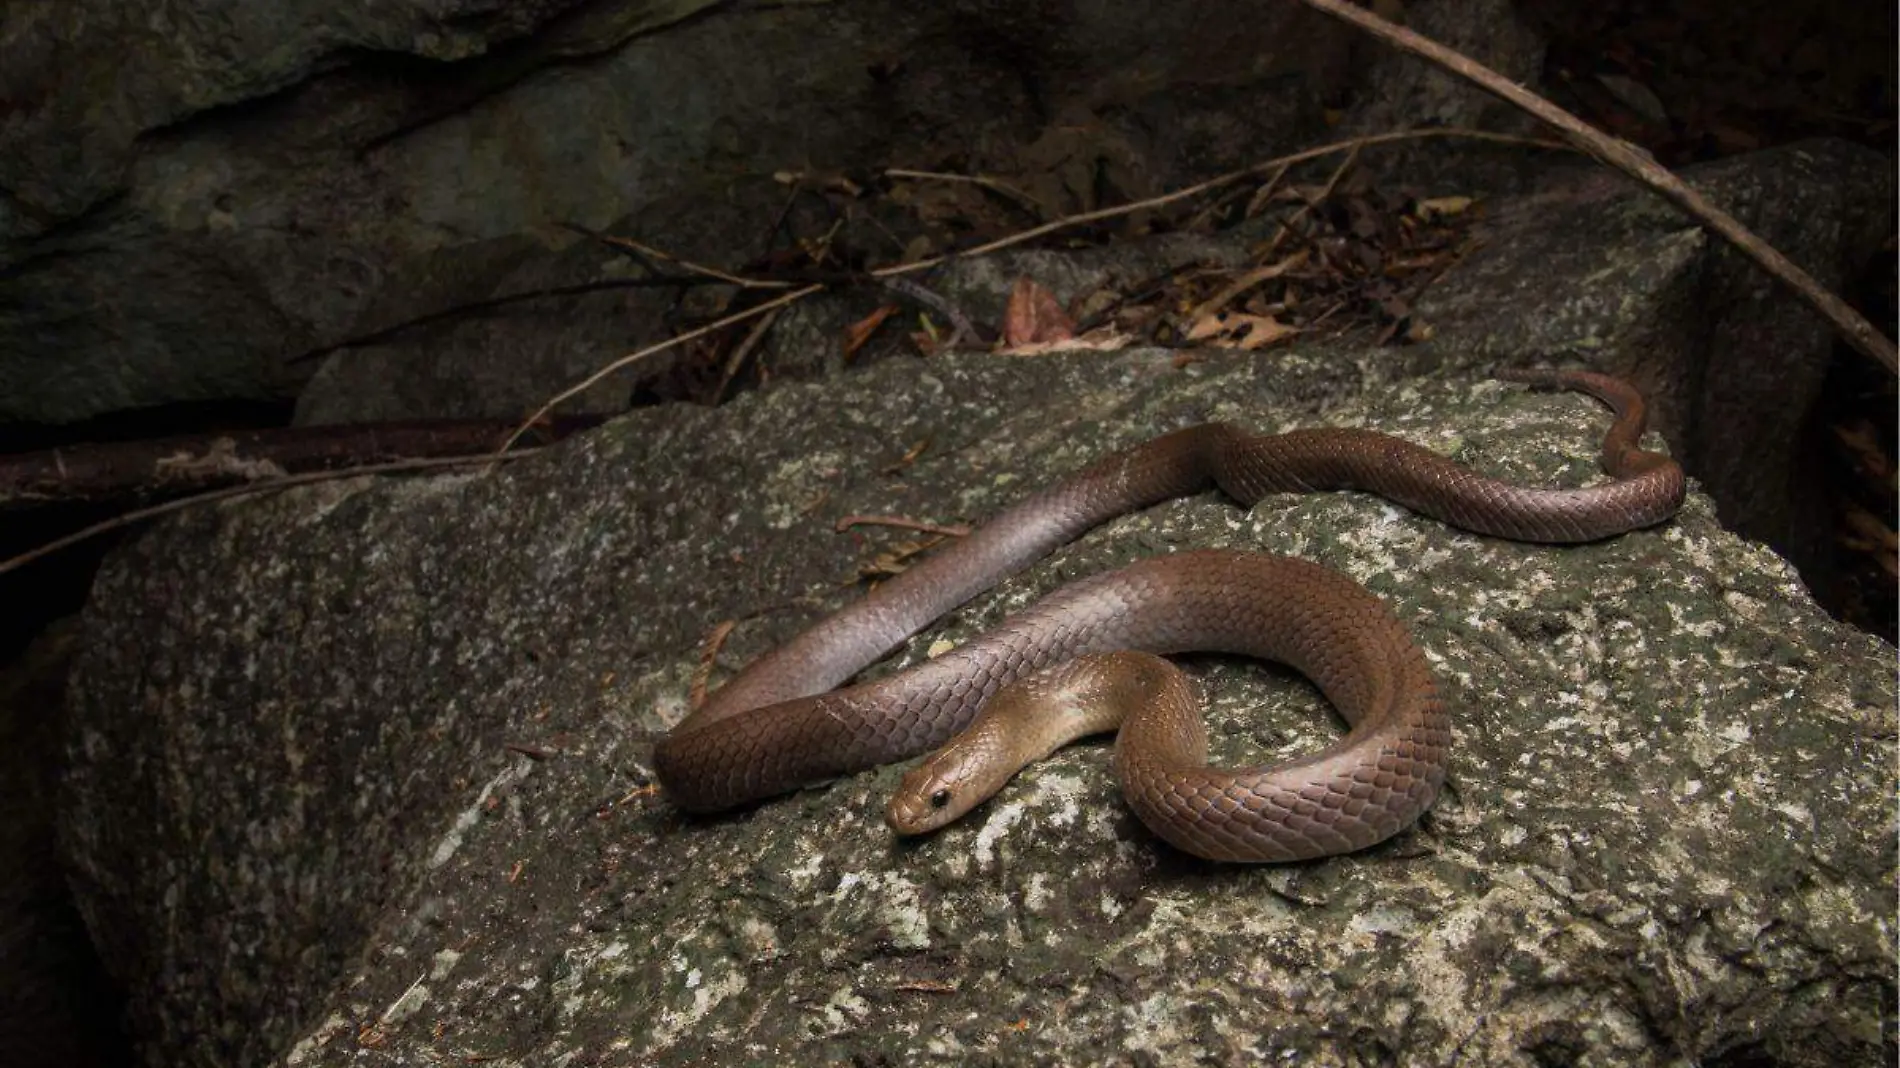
{"x": 362, "y": 771}
{"x": 233, "y": 201}
{"x": 1582, "y": 263}
{"x": 1588, "y": 263}
{"x": 204, "y": 202}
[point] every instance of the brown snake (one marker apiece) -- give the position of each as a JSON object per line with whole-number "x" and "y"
{"x": 780, "y": 724}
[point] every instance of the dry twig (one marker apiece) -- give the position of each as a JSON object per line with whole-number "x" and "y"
{"x": 715, "y": 273}
{"x": 1312, "y": 204}
{"x": 1031, "y": 234}
{"x": 740, "y": 353}
{"x": 1225, "y": 179}
{"x": 631, "y": 358}
{"x": 1636, "y": 163}
{"x": 1034, "y": 206}
{"x": 708, "y": 656}
{"x": 951, "y": 530}
{"x": 126, "y": 519}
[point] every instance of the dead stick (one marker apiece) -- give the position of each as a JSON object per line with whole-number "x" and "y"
{"x": 741, "y": 352}
{"x": 126, "y": 519}
{"x": 1636, "y": 163}
{"x": 1216, "y": 182}
{"x": 159, "y": 468}
{"x": 651, "y": 350}
{"x": 956, "y": 530}
{"x": 1017, "y": 239}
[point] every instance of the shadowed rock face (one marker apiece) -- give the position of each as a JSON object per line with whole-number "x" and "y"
{"x": 307, "y": 823}
{"x": 197, "y": 202}
{"x": 57, "y": 1008}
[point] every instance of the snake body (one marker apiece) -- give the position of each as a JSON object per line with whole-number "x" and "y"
{"x": 780, "y": 723}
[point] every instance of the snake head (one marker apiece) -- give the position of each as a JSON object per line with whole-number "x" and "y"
{"x": 1025, "y": 722}
{"x": 945, "y": 785}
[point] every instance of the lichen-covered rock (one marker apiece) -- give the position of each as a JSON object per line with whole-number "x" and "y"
{"x": 362, "y": 771}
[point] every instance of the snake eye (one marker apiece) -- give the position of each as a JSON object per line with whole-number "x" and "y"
{"x": 940, "y": 798}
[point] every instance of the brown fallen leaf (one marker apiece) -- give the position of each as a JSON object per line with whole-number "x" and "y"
{"x": 1034, "y": 316}
{"x": 1237, "y": 330}
{"x": 1104, "y": 340}
{"x": 1245, "y": 282}
{"x": 856, "y": 334}
{"x": 895, "y": 560}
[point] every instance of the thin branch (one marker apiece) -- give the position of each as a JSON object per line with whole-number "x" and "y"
{"x": 158, "y": 468}
{"x": 950, "y": 530}
{"x": 652, "y": 350}
{"x": 740, "y": 352}
{"x": 128, "y": 518}
{"x": 631, "y": 245}
{"x": 464, "y": 310}
{"x": 961, "y": 327}
{"x": 1312, "y": 204}
{"x": 1001, "y": 188}
{"x": 1017, "y": 239}
{"x": 1229, "y": 178}
{"x": 1638, "y": 164}
{"x": 708, "y": 658}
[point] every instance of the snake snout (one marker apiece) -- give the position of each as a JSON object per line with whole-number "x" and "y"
{"x": 940, "y": 790}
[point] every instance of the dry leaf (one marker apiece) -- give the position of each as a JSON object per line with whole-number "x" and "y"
{"x": 860, "y": 332}
{"x": 1235, "y": 330}
{"x": 1034, "y": 316}
{"x": 1244, "y": 283}
{"x": 1105, "y": 339}
{"x": 895, "y": 560}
